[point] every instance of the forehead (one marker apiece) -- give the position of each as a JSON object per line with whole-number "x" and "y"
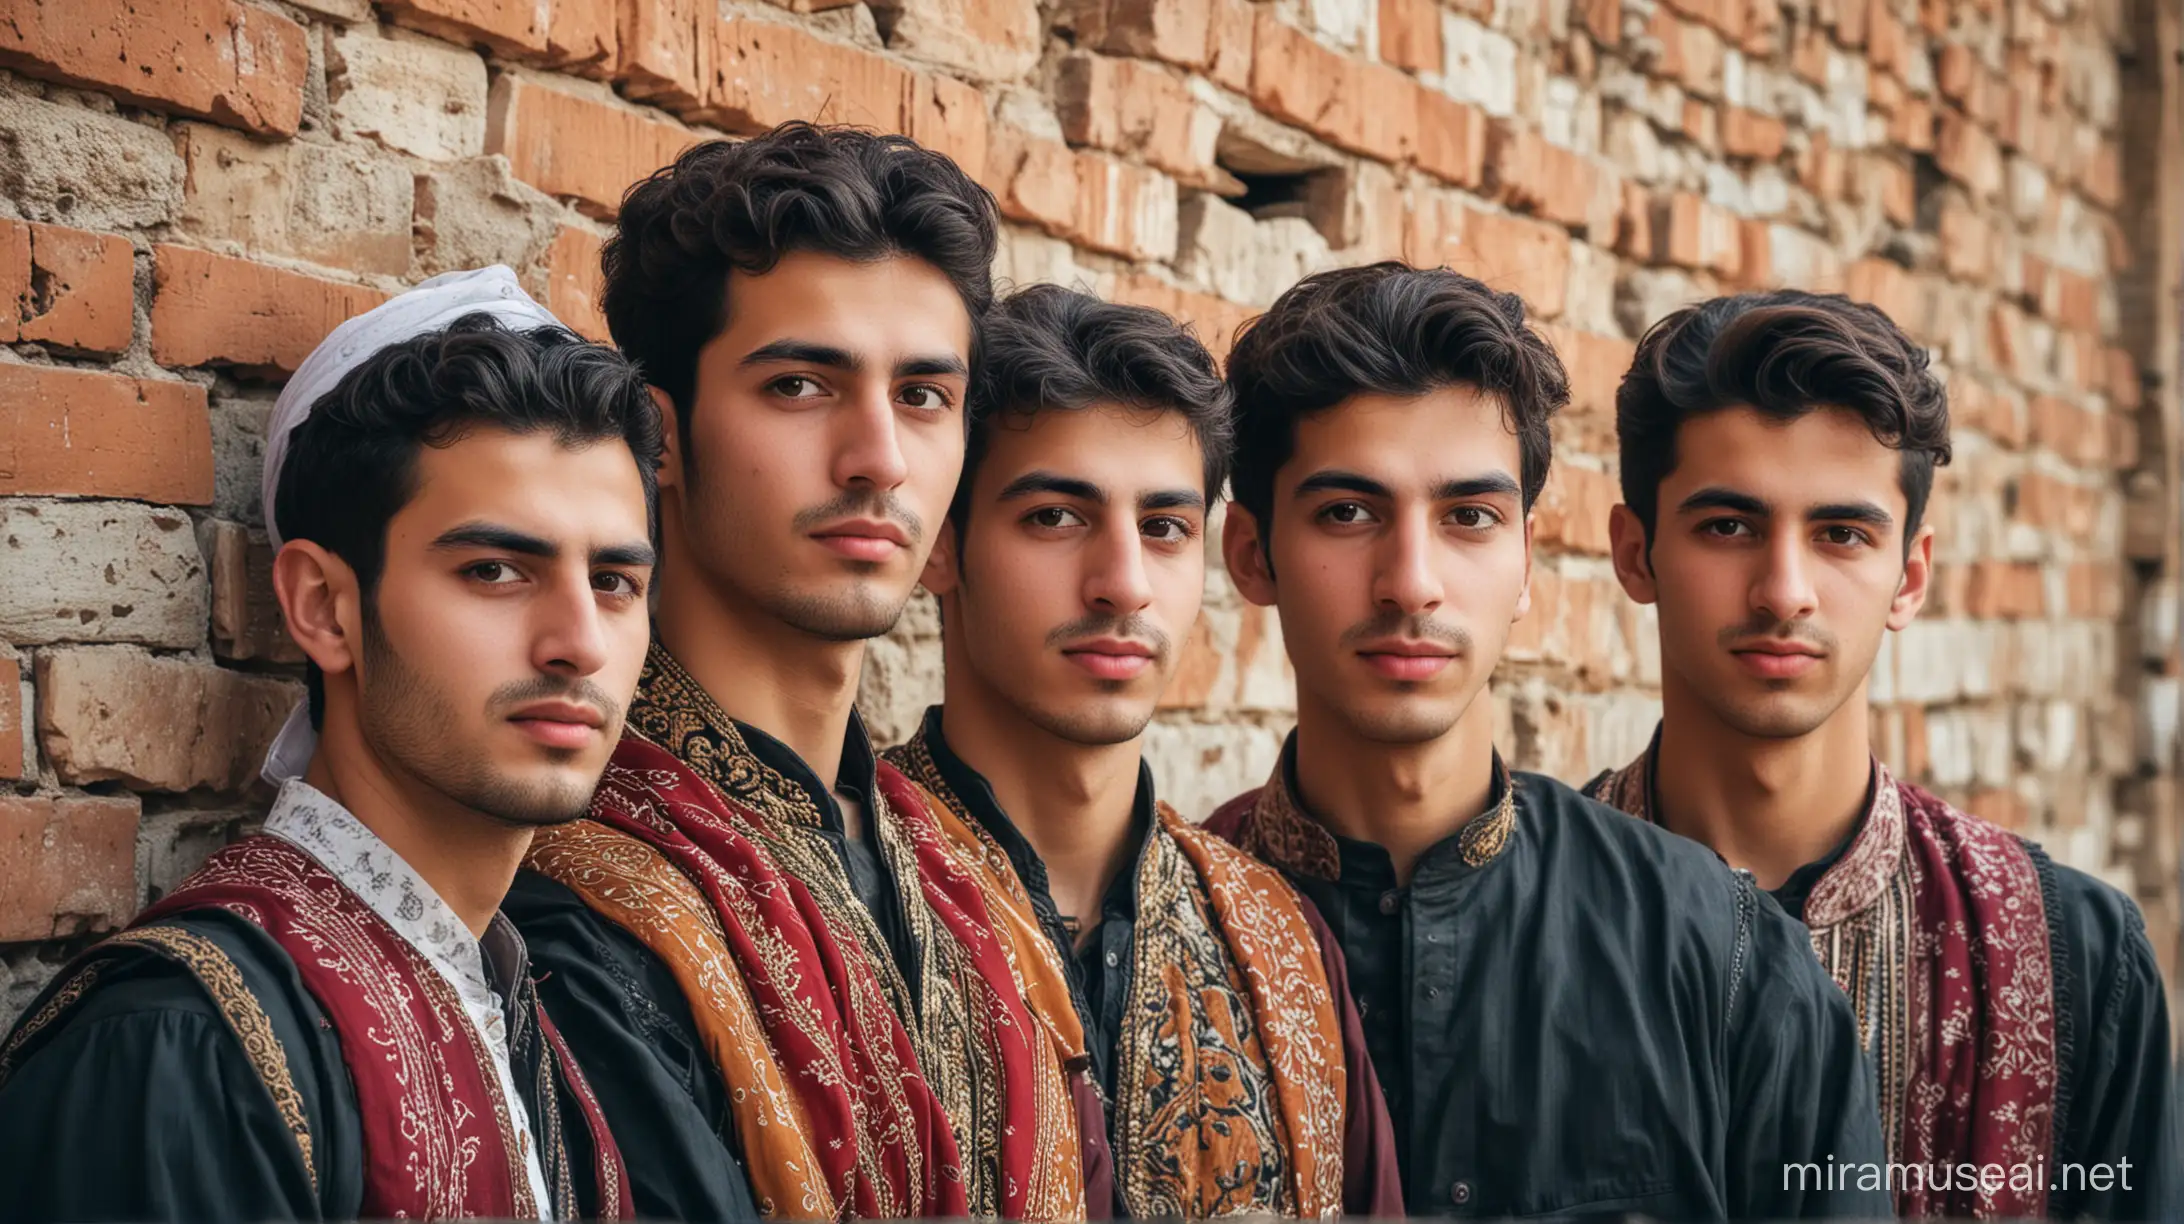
{"x": 1826, "y": 455}
{"x": 897, "y": 305}
{"x": 1123, "y": 451}
{"x": 530, "y": 482}
{"x": 1448, "y": 431}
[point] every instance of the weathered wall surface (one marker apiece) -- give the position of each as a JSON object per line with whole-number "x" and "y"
{"x": 193, "y": 192}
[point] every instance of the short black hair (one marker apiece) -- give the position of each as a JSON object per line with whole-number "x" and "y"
{"x": 1783, "y": 354}
{"x": 1046, "y": 347}
{"x": 352, "y": 464}
{"x": 1387, "y": 329}
{"x": 725, "y": 206}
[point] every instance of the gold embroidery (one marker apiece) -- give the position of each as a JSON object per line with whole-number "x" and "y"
{"x": 1277, "y": 827}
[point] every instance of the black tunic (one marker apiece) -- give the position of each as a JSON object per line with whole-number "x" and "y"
{"x": 627, "y": 1023}
{"x": 1596, "y": 1017}
{"x": 139, "y": 1102}
{"x": 1099, "y": 973}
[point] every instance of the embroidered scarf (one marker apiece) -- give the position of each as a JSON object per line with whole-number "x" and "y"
{"x": 1935, "y": 924}
{"x": 718, "y": 864}
{"x": 437, "y": 1137}
{"x": 1231, "y": 1089}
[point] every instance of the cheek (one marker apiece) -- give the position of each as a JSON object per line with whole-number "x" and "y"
{"x": 934, "y": 455}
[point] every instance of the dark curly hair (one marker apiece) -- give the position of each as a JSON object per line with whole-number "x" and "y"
{"x": 1784, "y": 354}
{"x": 1045, "y": 347}
{"x": 723, "y": 207}
{"x": 352, "y": 464}
{"x": 1388, "y": 329}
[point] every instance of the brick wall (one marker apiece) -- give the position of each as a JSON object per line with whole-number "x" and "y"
{"x": 192, "y": 192}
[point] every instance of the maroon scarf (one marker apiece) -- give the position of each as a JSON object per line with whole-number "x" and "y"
{"x": 1935, "y": 923}
{"x": 438, "y": 1139}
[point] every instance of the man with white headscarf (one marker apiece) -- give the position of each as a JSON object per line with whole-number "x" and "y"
{"x": 331, "y": 1019}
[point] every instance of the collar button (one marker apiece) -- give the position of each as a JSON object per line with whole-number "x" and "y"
{"x": 1460, "y": 1193}
{"x": 1390, "y": 902}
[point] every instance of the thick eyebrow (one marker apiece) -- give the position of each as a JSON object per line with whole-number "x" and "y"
{"x": 1477, "y": 486}
{"x": 496, "y": 537}
{"x": 1852, "y": 512}
{"x": 803, "y": 352}
{"x": 1051, "y": 482}
{"x": 1172, "y": 499}
{"x": 1335, "y": 480}
{"x": 932, "y": 367}
{"x": 524, "y": 544}
{"x": 1714, "y": 497}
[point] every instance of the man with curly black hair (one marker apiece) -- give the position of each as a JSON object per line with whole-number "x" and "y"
{"x": 1572, "y": 1012}
{"x": 758, "y": 941}
{"x": 1778, "y": 453}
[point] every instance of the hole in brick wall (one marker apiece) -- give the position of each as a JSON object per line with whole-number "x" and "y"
{"x": 1267, "y": 196}
{"x": 1927, "y": 182}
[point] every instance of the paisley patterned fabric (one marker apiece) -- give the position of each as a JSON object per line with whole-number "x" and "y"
{"x": 438, "y": 1136}
{"x": 1934, "y": 922}
{"x": 718, "y": 865}
{"x": 1231, "y": 1096}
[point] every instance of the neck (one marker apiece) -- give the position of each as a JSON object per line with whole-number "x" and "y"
{"x": 1769, "y": 806}
{"x": 795, "y": 687}
{"x": 1404, "y": 798}
{"x": 1073, "y": 802}
{"x": 466, "y": 856}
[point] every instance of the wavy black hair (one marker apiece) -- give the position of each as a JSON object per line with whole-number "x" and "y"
{"x": 352, "y": 464}
{"x": 1388, "y": 329}
{"x": 1046, "y": 348}
{"x": 726, "y": 207}
{"x": 1784, "y": 354}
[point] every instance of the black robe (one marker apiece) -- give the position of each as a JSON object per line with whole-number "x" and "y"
{"x": 139, "y": 1103}
{"x": 1574, "y": 1013}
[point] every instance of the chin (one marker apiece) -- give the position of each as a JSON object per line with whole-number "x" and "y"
{"x": 1403, "y": 722}
{"x": 1777, "y": 718}
{"x": 1093, "y": 724}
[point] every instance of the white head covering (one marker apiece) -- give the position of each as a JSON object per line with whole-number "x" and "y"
{"x": 430, "y": 306}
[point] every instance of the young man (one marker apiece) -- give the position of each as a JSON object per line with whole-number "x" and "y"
{"x": 1777, "y": 453}
{"x": 1069, "y": 576}
{"x": 1572, "y": 1012}
{"x": 762, "y": 943}
{"x": 331, "y": 1020}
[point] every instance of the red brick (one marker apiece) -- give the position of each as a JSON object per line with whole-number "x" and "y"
{"x": 1410, "y": 34}
{"x": 1229, "y": 43}
{"x": 2103, "y": 179}
{"x": 1452, "y": 138}
{"x": 1215, "y": 320}
{"x": 1967, "y": 241}
{"x": 760, "y": 74}
{"x": 2125, "y": 446}
{"x": 1890, "y": 180}
{"x": 1912, "y": 126}
{"x": 1033, "y": 179}
{"x": 14, "y": 763}
{"x": 1894, "y": 291}
{"x": 566, "y": 144}
{"x": 1572, "y": 511}
{"x": 572, "y": 282}
{"x": 1809, "y": 55}
{"x": 1197, "y": 670}
{"x": 76, "y": 433}
{"x": 1633, "y": 237}
{"x": 1702, "y": 124}
{"x": 209, "y": 308}
{"x": 2094, "y": 590}
{"x": 581, "y": 36}
{"x": 1374, "y": 112}
{"x": 2006, "y": 590}
{"x": 1755, "y": 254}
{"x": 81, "y": 290}
{"x": 511, "y": 27}
{"x": 1749, "y": 133}
{"x": 1847, "y": 18}
{"x": 1603, "y": 20}
{"x": 2123, "y": 384}
{"x": 1131, "y": 106}
{"x": 1999, "y": 807}
{"x": 1122, "y": 209}
{"x": 235, "y": 64}
{"x": 949, "y": 117}
{"x": 70, "y": 863}
{"x": 1293, "y": 78}
{"x": 1974, "y": 406}
{"x": 2077, "y": 301}
{"x": 1541, "y": 178}
{"x": 1522, "y": 256}
{"x": 116, "y": 713}
{"x": 1691, "y": 54}
{"x": 1887, "y": 43}
{"x": 2068, "y": 510}
{"x": 658, "y": 41}
{"x": 246, "y": 615}
{"x": 1178, "y": 31}
{"x": 1967, "y": 153}
{"x": 1957, "y": 73}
